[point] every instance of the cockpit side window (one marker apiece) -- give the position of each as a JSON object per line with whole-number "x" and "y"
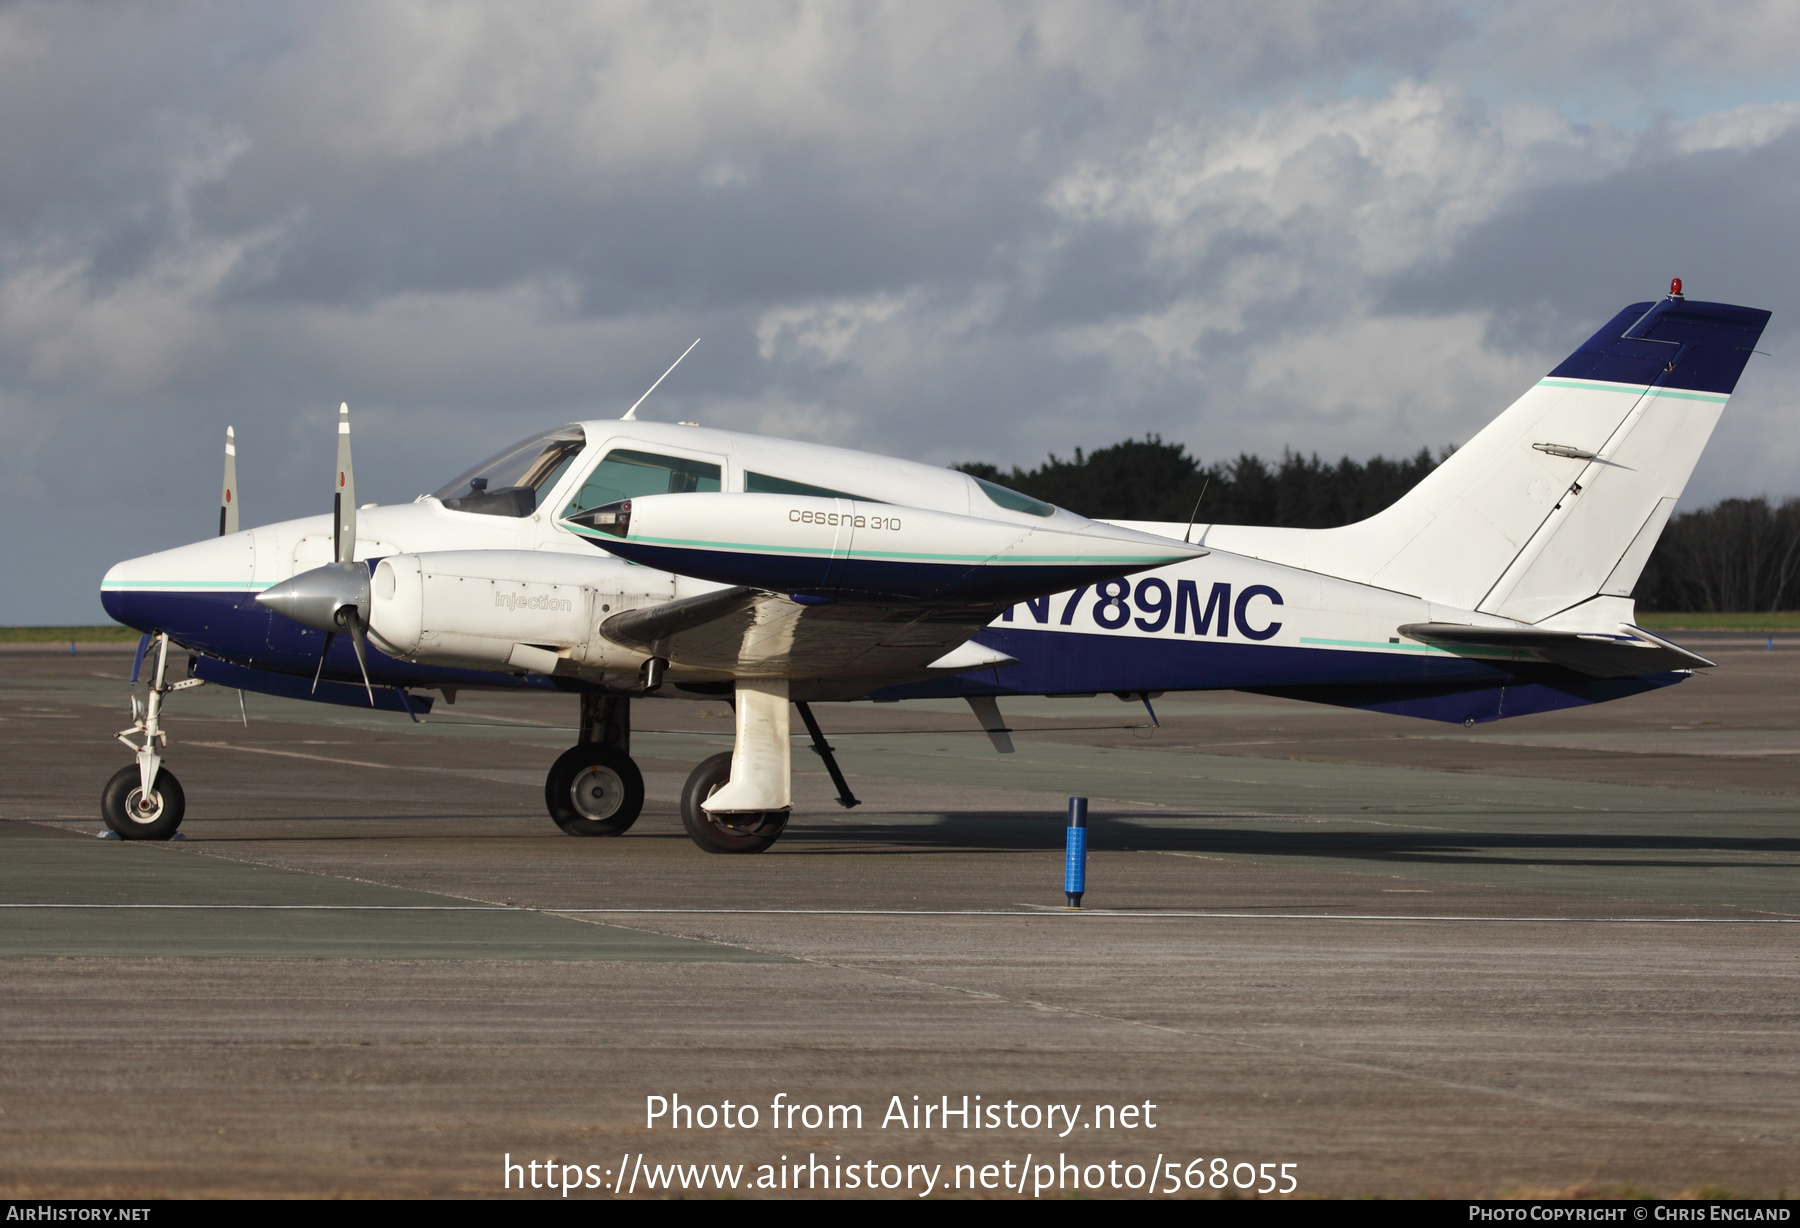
{"x": 766, "y": 484}
{"x": 510, "y": 483}
{"x": 626, "y": 474}
{"x": 1012, "y": 500}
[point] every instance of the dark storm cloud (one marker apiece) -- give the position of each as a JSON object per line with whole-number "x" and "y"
{"x": 1724, "y": 218}
{"x": 1565, "y": 258}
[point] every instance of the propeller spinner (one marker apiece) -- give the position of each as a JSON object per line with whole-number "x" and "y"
{"x": 333, "y": 598}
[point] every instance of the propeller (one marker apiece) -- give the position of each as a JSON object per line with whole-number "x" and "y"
{"x": 343, "y": 495}
{"x": 333, "y": 598}
{"x": 228, "y": 500}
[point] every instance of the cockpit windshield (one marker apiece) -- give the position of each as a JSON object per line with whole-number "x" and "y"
{"x": 509, "y": 484}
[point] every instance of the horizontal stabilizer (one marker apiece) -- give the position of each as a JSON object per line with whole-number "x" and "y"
{"x": 1590, "y": 653}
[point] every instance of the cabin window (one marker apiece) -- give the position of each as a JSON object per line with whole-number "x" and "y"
{"x": 1013, "y": 501}
{"x": 626, "y": 474}
{"x": 765, "y": 484}
{"x": 509, "y": 484}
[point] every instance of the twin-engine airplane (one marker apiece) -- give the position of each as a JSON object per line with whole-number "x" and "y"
{"x": 620, "y": 559}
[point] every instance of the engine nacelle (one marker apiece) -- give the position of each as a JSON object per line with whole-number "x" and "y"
{"x": 506, "y": 609}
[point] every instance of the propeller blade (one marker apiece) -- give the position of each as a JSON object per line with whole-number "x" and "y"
{"x": 228, "y": 501}
{"x": 323, "y": 653}
{"x": 343, "y": 497}
{"x": 359, "y": 641}
{"x": 333, "y": 598}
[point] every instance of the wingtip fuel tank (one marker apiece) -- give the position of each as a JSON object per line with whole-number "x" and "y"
{"x": 848, "y": 549}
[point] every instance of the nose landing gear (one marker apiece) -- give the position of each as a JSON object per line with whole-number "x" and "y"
{"x": 133, "y": 814}
{"x": 145, "y": 801}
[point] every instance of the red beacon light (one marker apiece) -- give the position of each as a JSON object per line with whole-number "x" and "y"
{"x": 1675, "y": 287}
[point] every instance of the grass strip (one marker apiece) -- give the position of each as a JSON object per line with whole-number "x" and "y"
{"x": 1780, "y": 620}
{"x": 108, "y": 634}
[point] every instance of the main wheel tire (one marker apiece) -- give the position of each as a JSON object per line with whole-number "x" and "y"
{"x": 133, "y": 817}
{"x": 594, "y": 790}
{"x": 725, "y": 833}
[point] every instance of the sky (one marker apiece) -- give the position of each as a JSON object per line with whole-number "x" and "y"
{"x": 956, "y": 231}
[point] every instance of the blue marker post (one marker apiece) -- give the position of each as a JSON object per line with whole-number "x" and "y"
{"x": 1075, "y": 852}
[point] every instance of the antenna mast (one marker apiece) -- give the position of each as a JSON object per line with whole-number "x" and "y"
{"x": 630, "y": 415}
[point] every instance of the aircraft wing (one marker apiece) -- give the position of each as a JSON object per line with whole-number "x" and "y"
{"x": 744, "y": 632}
{"x": 1596, "y": 655}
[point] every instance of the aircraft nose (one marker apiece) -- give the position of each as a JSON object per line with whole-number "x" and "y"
{"x": 183, "y": 589}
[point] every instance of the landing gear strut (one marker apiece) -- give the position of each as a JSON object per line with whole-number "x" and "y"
{"x": 738, "y": 802}
{"x": 594, "y": 788}
{"x": 726, "y": 832}
{"x": 145, "y": 801}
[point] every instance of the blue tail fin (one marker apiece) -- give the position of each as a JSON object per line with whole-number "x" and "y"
{"x": 1698, "y": 347}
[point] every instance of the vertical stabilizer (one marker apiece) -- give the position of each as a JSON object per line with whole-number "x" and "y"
{"x": 1562, "y": 497}
{"x": 1675, "y": 366}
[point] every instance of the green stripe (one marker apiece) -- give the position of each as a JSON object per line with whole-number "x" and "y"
{"x": 1385, "y": 646}
{"x": 1465, "y": 650}
{"x": 813, "y": 552}
{"x": 214, "y": 585}
{"x": 1711, "y": 398}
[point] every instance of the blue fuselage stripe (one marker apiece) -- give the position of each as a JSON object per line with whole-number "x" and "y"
{"x": 234, "y": 628}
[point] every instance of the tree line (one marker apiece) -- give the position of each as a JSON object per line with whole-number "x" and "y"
{"x": 1738, "y": 555}
{"x": 1147, "y": 479}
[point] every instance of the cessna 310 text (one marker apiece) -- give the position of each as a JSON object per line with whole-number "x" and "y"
{"x": 620, "y": 559}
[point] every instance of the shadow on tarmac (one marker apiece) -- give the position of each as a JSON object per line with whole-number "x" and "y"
{"x": 1011, "y": 832}
{"x": 964, "y": 833}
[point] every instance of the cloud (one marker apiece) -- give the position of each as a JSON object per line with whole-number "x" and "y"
{"x": 945, "y": 231}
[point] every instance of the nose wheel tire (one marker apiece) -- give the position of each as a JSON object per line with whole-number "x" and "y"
{"x": 725, "y": 833}
{"x": 133, "y": 816}
{"x": 594, "y": 790}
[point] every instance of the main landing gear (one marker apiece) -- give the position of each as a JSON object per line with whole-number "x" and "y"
{"x": 145, "y": 801}
{"x": 746, "y": 831}
{"x": 734, "y": 802}
{"x": 594, "y": 789}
